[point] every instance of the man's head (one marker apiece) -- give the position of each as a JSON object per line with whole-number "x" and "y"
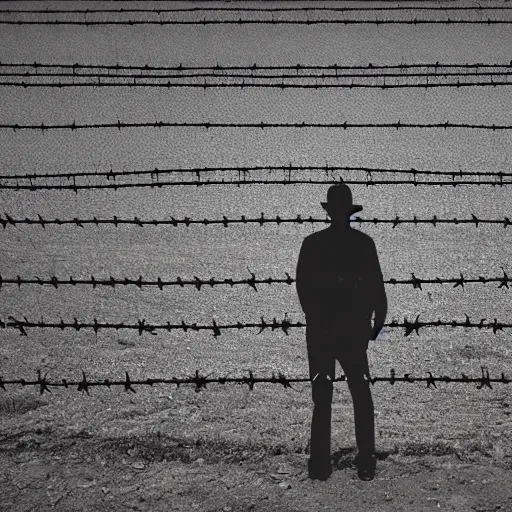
{"x": 339, "y": 203}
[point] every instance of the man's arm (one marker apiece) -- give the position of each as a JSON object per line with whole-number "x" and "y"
{"x": 303, "y": 277}
{"x": 378, "y": 292}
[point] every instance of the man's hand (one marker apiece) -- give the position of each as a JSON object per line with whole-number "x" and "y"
{"x": 380, "y": 318}
{"x": 376, "y": 330}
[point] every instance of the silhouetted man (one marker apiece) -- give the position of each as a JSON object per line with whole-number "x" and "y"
{"x": 340, "y": 285}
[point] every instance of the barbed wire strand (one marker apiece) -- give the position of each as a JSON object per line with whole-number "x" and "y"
{"x": 477, "y": 8}
{"x": 240, "y": 21}
{"x": 200, "y": 381}
{"x": 7, "y": 220}
{"x": 120, "y": 79}
{"x": 262, "y": 125}
{"x": 199, "y": 183}
{"x": 243, "y": 85}
{"x": 322, "y": 76}
{"x": 199, "y": 283}
{"x": 253, "y": 67}
{"x": 111, "y": 174}
{"x": 200, "y": 1}
{"x": 243, "y": 170}
{"x": 142, "y": 326}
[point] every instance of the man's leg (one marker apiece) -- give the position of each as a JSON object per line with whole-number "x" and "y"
{"x": 355, "y": 367}
{"x": 321, "y": 370}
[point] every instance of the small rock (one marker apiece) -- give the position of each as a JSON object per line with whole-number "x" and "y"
{"x": 138, "y": 465}
{"x": 105, "y": 490}
{"x": 126, "y": 343}
{"x": 199, "y": 461}
{"x": 87, "y": 484}
{"x": 131, "y": 452}
{"x": 23, "y": 457}
{"x": 285, "y": 485}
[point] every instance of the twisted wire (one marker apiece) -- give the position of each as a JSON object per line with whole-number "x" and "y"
{"x": 477, "y": 8}
{"x": 437, "y": 67}
{"x": 254, "y": 67}
{"x": 199, "y": 183}
{"x": 139, "y": 1}
{"x": 225, "y": 221}
{"x": 199, "y": 283}
{"x": 434, "y": 74}
{"x": 142, "y": 326}
{"x": 243, "y": 170}
{"x": 198, "y": 171}
{"x": 243, "y": 85}
{"x": 200, "y": 381}
{"x": 493, "y": 78}
{"x": 240, "y": 21}
{"x": 262, "y": 125}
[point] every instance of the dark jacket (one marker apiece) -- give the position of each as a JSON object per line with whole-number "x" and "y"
{"x": 339, "y": 277}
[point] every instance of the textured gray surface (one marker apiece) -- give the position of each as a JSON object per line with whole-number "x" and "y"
{"x": 268, "y": 250}
{"x": 42, "y": 435}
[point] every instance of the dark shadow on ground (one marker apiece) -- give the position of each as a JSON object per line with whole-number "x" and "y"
{"x": 344, "y": 458}
{"x": 157, "y": 447}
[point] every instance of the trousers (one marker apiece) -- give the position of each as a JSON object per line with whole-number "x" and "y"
{"x": 349, "y": 348}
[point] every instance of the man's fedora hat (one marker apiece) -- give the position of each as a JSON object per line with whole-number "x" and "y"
{"x": 340, "y": 195}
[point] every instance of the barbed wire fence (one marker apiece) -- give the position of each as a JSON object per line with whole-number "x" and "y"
{"x": 371, "y": 76}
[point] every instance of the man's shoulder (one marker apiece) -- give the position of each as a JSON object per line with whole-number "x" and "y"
{"x": 316, "y": 236}
{"x": 324, "y": 235}
{"x": 317, "y": 240}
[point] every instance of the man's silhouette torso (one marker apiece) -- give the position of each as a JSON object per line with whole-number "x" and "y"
{"x": 339, "y": 280}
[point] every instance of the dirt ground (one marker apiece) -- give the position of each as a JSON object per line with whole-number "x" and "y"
{"x": 85, "y": 476}
{"x": 134, "y": 456}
